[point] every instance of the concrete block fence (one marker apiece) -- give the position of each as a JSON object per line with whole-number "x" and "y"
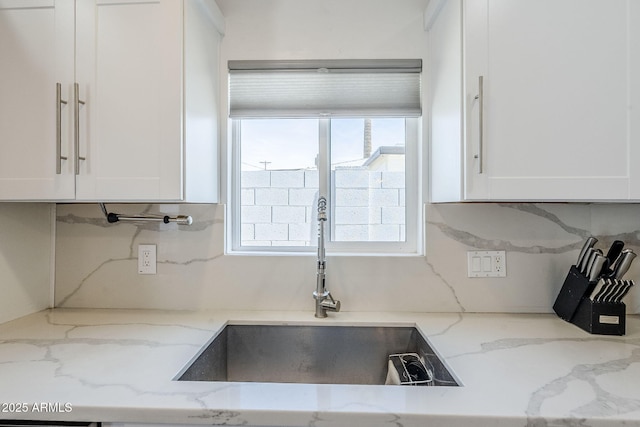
{"x": 279, "y": 207}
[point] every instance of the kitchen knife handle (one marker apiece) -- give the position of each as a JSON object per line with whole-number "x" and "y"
{"x": 615, "y": 297}
{"x": 626, "y": 258}
{"x": 480, "y": 98}
{"x": 628, "y": 285}
{"x": 607, "y": 290}
{"x": 588, "y": 244}
{"x": 596, "y": 267}
{"x": 597, "y": 290}
{"x": 592, "y": 258}
{"x": 615, "y": 250}
{"x": 585, "y": 261}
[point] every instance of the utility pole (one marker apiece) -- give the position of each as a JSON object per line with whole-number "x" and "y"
{"x": 367, "y": 139}
{"x": 265, "y": 163}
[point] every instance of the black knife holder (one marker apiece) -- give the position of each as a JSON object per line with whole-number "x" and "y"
{"x": 574, "y": 305}
{"x": 602, "y": 318}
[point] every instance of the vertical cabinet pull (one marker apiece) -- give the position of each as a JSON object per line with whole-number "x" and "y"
{"x": 59, "y": 102}
{"x": 480, "y": 98}
{"x": 76, "y": 113}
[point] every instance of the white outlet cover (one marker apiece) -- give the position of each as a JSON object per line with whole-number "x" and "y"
{"x": 486, "y": 264}
{"x": 146, "y": 259}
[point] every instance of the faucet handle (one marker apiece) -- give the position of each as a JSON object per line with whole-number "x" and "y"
{"x": 330, "y": 304}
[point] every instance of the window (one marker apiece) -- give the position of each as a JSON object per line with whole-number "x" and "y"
{"x": 285, "y": 155}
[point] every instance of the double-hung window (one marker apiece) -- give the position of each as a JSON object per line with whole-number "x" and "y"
{"x": 344, "y": 130}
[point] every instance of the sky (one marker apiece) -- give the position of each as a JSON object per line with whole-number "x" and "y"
{"x": 293, "y": 143}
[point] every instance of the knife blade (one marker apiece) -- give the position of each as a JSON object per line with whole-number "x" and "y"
{"x": 589, "y": 243}
{"x": 623, "y": 264}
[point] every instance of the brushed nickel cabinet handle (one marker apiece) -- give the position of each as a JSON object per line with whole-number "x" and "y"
{"x": 59, "y": 102}
{"x": 480, "y": 98}
{"x": 76, "y": 113}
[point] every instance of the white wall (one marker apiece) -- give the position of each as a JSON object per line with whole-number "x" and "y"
{"x": 25, "y": 258}
{"x": 319, "y": 29}
{"x": 323, "y": 29}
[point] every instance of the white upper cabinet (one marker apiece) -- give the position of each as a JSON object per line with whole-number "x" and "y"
{"x": 140, "y": 121}
{"x": 36, "y": 57}
{"x": 531, "y": 100}
{"x": 634, "y": 98}
{"x": 128, "y": 68}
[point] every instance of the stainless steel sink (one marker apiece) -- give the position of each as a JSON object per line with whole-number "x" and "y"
{"x": 310, "y": 354}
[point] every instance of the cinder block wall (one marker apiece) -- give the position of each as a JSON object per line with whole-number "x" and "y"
{"x": 278, "y": 208}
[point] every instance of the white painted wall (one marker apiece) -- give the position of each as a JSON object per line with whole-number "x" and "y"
{"x": 326, "y": 29}
{"x": 319, "y": 29}
{"x": 26, "y": 237}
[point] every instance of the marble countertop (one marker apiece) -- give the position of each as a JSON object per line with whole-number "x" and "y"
{"x": 119, "y": 365}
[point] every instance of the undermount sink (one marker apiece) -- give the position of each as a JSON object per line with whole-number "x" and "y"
{"x": 310, "y": 354}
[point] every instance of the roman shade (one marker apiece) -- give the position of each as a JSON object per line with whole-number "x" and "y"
{"x": 335, "y": 88}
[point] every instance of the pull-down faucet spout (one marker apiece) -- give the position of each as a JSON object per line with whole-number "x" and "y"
{"x": 324, "y": 300}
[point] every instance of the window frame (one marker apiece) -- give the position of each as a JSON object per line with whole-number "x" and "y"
{"x": 413, "y": 200}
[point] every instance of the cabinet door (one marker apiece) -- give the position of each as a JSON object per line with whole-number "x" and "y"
{"x": 555, "y": 104}
{"x": 128, "y": 67}
{"x": 634, "y": 95}
{"x": 36, "y": 51}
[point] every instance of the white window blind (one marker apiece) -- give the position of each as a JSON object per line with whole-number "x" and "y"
{"x": 338, "y": 88}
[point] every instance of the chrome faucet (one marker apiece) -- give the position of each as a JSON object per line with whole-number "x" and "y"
{"x": 324, "y": 300}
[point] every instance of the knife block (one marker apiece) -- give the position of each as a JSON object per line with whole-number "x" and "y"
{"x": 602, "y": 318}
{"x": 573, "y": 305}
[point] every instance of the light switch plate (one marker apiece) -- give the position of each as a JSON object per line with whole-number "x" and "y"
{"x": 486, "y": 264}
{"x": 146, "y": 259}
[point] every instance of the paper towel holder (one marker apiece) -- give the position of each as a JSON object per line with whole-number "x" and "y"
{"x": 166, "y": 219}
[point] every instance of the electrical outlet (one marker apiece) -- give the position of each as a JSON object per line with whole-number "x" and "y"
{"x": 486, "y": 264}
{"x": 146, "y": 259}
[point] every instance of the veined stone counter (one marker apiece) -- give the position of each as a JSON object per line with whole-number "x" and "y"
{"x": 119, "y": 366}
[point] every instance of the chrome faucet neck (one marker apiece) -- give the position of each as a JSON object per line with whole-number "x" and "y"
{"x": 324, "y": 300}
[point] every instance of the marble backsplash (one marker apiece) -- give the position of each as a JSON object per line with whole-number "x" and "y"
{"x": 96, "y": 262}
{"x": 26, "y": 244}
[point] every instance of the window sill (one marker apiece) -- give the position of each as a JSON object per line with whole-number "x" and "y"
{"x": 314, "y": 254}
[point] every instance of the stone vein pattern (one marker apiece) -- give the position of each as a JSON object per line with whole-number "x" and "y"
{"x": 96, "y": 263}
{"x": 516, "y": 370}
{"x": 26, "y": 239}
